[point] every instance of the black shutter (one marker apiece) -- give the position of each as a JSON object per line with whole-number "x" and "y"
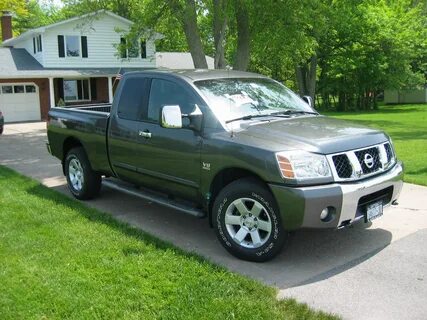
{"x": 84, "y": 47}
{"x": 123, "y": 53}
{"x": 40, "y": 39}
{"x": 93, "y": 88}
{"x": 61, "y": 49}
{"x": 143, "y": 49}
{"x": 34, "y": 45}
{"x": 79, "y": 90}
{"x": 60, "y": 84}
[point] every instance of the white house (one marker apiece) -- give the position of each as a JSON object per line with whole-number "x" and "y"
{"x": 75, "y": 61}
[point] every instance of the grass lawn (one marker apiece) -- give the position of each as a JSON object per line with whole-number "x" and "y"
{"x": 407, "y": 126}
{"x": 60, "y": 259}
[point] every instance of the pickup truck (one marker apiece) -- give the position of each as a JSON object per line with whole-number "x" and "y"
{"x": 238, "y": 148}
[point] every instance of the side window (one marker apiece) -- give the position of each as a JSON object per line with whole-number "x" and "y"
{"x": 164, "y": 93}
{"x": 131, "y": 100}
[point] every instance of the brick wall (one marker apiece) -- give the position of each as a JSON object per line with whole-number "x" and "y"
{"x": 43, "y": 87}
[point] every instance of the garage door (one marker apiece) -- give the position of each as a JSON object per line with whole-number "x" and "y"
{"x": 19, "y": 102}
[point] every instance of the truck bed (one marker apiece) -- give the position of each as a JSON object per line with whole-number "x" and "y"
{"x": 86, "y": 124}
{"x": 104, "y": 107}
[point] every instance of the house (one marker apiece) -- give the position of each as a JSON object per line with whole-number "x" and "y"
{"x": 406, "y": 96}
{"x": 73, "y": 61}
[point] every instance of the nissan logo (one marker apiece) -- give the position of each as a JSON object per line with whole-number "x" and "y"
{"x": 369, "y": 160}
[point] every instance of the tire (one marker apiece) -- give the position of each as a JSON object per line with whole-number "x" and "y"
{"x": 83, "y": 182}
{"x": 244, "y": 209}
{"x": 1, "y": 129}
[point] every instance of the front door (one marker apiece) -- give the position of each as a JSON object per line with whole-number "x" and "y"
{"x": 143, "y": 152}
{"x": 170, "y": 158}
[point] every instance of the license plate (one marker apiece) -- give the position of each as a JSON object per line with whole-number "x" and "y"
{"x": 374, "y": 210}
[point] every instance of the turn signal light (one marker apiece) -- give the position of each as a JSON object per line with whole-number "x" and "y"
{"x": 285, "y": 167}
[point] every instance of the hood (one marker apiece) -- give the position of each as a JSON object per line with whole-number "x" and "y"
{"x": 318, "y": 134}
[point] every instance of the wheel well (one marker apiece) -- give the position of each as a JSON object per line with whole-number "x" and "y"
{"x": 69, "y": 144}
{"x": 224, "y": 178}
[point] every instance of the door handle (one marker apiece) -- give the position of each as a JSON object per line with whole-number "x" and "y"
{"x": 146, "y": 134}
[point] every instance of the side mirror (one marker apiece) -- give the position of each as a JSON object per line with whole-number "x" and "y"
{"x": 308, "y": 100}
{"x": 196, "y": 118}
{"x": 171, "y": 117}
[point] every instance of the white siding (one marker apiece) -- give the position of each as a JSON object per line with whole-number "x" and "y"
{"x": 101, "y": 36}
{"x": 28, "y": 45}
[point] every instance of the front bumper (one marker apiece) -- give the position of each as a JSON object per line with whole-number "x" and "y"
{"x": 301, "y": 207}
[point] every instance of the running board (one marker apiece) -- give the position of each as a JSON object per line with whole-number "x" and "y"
{"x": 159, "y": 199}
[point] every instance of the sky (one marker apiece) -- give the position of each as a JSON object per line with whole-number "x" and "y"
{"x": 57, "y": 3}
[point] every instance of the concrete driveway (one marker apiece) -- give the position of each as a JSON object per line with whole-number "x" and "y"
{"x": 376, "y": 271}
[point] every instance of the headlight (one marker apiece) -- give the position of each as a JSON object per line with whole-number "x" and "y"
{"x": 303, "y": 165}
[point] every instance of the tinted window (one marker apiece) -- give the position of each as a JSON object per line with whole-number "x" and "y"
{"x": 131, "y": 99}
{"x": 164, "y": 93}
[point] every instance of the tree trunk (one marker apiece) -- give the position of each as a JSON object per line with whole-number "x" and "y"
{"x": 306, "y": 77}
{"x": 219, "y": 27}
{"x": 188, "y": 18}
{"x": 243, "y": 36}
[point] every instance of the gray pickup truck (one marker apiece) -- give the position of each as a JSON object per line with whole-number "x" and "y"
{"x": 238, "y": 148}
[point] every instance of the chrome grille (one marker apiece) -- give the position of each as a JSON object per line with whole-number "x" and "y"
{"x": 388, "y": 151}
{"x": 374, "y": 159}
{"x": 361, "y": 163}
{"x": 343, "y": 166}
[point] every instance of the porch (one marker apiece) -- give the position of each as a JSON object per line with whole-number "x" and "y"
{"x": 84, "y": 90}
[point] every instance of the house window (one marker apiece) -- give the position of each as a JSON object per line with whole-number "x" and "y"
{"x": 30, "y": 88}
{"x": 76, "y": 90}
{"x": 19, "y": 89}
{"x": 7, "y": 89}
{"x": 133, "y": 50}
{"x": 72, "y": 46}
{"x": 37, "y": 44}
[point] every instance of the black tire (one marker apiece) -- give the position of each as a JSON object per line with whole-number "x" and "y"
{"x": 90, "y": 184}
{"x": 248, "y": 191}
{"x": 1, "y": 130}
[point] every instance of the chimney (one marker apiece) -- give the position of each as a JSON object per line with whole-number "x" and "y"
{"x": 6, "y": 25}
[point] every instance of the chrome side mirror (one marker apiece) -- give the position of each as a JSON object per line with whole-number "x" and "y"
{"x": 308, "y": 100}
{"x": 171, "y": 117}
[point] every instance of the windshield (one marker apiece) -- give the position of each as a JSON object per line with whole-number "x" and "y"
{"x": 236, "y": 98}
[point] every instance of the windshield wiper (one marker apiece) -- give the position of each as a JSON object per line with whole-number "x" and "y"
{"x": 251, "y": 116}
{"x": 290, "y": 112}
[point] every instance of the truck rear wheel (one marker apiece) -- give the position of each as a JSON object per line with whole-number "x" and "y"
{"x": 247, "y": 221}
{"x": 83, "y": 182}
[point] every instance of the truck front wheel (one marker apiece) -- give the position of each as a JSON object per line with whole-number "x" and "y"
{"x": 83, "y": 182}
{"x": 247, "y": 221}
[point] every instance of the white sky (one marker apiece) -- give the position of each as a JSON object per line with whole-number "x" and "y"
{"x": 57, "y": 3}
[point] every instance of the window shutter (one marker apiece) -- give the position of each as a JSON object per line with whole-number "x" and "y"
{"x": 93, "y": 88}
{"x": 123, "y": 53}
{"x": 34, "y": 45}
{"x": 84, "y": 47}
{"x": 60, "y": 86}
{"x": 143, "y": 49}
{"x": 79, "y": 90}
{"x": 40, "y": 39}
{"x": 61, "y": 49}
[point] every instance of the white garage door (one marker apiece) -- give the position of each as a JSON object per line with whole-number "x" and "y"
{"x": 19, "y": 102}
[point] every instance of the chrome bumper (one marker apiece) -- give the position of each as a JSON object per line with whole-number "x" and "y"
{"x": 301, "y": 207}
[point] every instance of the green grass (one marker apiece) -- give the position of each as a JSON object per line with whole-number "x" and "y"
{"x": 407, "y": 126}
{"x": 60, "y": 259}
